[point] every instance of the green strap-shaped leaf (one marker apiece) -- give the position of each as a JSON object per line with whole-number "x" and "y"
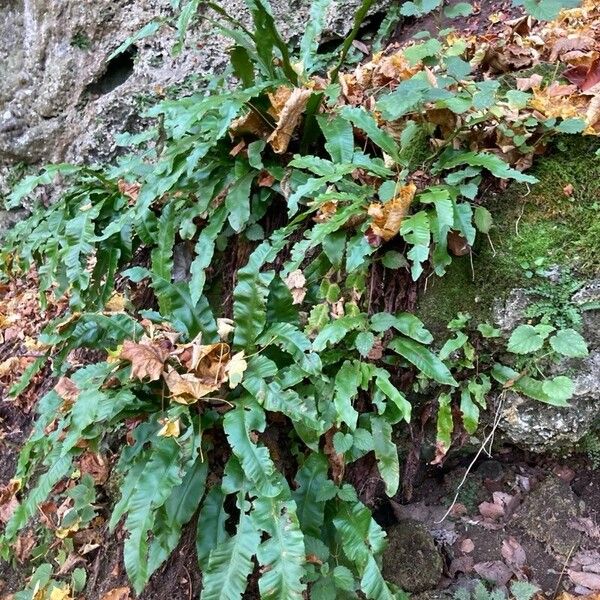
{"x": 237, "y": 201}
{"x": 239, "y": 425}
{"x": 187, "y": 316}
{"x": 311, "y": 478}
{"x": 230, "y": 563}
{"x": 340, "y": 138}
{"x": 427, "y": 362}
{"x": 374, "y": 585}
{"x": 205, "y": 248}
{"x": 309, "y": 43}
{"x": 161, "y": 473}
{"x": 386, "y": 454}
{"x": 282, "y": 556}
{"x": 210, "y": 531}
{"x": 406, "y": 323}
{"x": 347, "y": 381}
{"x": 175, "y": 513}
{"x": 362, "y": 119}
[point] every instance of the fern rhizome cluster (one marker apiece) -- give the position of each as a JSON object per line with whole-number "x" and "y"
{"x": 242, "y": 282}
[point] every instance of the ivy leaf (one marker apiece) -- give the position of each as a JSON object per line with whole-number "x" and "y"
{"x": 524, "y": 340}
{"x": 569, "y": 343}
{"x": 342, "y": 442}
{"x": 460, "y": 9}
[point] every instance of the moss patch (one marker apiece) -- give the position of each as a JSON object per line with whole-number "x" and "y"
{"x": 530, "y": 223}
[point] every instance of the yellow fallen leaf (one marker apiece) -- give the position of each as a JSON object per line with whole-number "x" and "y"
{"x": 235, "y": 369}
{"x": 170, "y": 428}
{"x": 61, "y": 593}
{"x": 116, "y": 303}
{"x": 224, "y": 327}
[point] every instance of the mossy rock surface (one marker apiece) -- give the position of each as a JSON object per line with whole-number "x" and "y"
{"x": 411, "y": 560}
{"x": 545, "y": 221}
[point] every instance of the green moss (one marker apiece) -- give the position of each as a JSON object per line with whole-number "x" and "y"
{"x": 531, "y": 223}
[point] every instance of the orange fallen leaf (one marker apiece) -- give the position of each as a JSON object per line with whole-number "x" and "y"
{"x": 387, "y": 218}
{"x": 120, "y": 593}
{"x": 288, "y": 119}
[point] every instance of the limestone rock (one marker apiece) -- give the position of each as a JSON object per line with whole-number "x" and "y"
{"x": 411, "y": 560}
{"x": 63, "y": 100}
{"x": 543, "y": 428}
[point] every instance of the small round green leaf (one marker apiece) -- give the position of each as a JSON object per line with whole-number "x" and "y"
{"x": 569, "y": 343}
{"x": 364, "y": 342}
{"x": 525, "y": 339}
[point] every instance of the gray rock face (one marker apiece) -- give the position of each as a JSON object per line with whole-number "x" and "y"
{"x": 543, "y": 428}
{"x": 60, "y": 99}
{"x": 540, "y": 427}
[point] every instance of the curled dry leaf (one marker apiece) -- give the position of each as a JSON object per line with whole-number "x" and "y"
{"x": 147, "y": 358}
{"x": 336, "y": 459}
{"x": 8, "y": 500}
{"x": 387, "y": 218}
{"x": 187, "y": 388}
{"x": 288, "y": 119}
{"x": 131, "y": 191}
{"x": 224, "y": 327}
{"x": 295, "y": 282}
{"x": 524, "y": 84}
{"x": 67, "y": 390}
{"x": 24, "y": 545}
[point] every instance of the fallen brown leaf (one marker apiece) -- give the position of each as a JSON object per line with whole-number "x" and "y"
{"x": 494, "y": 570}
{"x": 94, "y": 465}
{"x": 588, "y": 580}
{"x": 147, "y": 359}
{"x": 513, "y": 553}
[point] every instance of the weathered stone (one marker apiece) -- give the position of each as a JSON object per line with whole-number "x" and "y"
{"x": 411, "y": 560}
{"x": 62, "y": 99}
{"x": 546, "y": 513}
{"x": 543, "y": 428}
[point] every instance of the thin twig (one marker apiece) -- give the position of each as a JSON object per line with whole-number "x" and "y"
{"x": 479, "y": 452}
{"x": 563, "y": 570}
